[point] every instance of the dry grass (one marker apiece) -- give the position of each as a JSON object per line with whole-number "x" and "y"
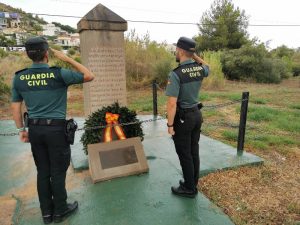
{"x": 269, "y": 194}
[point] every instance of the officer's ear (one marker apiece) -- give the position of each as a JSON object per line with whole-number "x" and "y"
{"x": 47, "y": 56}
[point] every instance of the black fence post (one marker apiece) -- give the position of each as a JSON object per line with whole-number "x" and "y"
{"x": 154, "y": 94}
{"x": 242, "y": 126}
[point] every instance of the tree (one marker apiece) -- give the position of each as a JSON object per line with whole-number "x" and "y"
{"x": 67, "y": 28}
{"x": 253, "y": 63}
{"x": 5, "y": 42}
{"x": 37, "y": 28}
{"x": 222, "y": 27}
{"x": 282, "y": 51}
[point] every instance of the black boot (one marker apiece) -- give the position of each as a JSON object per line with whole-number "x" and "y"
{"x": 184, "y": 192}
{"x": 47, "y": 219}
{"x": 181, "y": 183}
{"x": 69, "y": 211}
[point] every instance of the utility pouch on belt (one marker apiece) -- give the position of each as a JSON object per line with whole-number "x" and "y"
{"x": 71, "y": 127}
{"x": 200, "y": 105}
{"x": 25, "y": 117}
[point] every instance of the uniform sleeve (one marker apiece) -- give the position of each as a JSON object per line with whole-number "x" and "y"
{"x": 15, "y": 95}
{"x": 206, "y": 70}
{"x": 173, "y": 85}
{"x": 71, "y": 77}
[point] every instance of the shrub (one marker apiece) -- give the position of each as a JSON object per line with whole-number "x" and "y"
{"x": 3, "y": 53}
{"x": 162, "y": 70}
{"x": 4, "y": 90}
{"x": 296, "y": 69}
{"x": 71, "y": 51}
{"x": 241, "y": 64}
{"x": 216, "y": 79}
{"x": 146, "y": 60}
{"x": 254, "y": 63}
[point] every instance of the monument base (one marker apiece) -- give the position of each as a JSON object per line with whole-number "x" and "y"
{"x": 119, "y": 158}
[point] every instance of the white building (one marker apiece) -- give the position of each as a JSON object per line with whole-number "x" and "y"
{"x": 75, "y": 39}
{"x": 3, "y": 22}
{"x": 50, "y": 29}
{"x": 71, "y": 40}
{"x": 21, "y": 38}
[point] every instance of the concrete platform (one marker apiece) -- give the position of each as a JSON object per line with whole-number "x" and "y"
{"x": 145, "y": 199}
{"x": 214, "y": 154}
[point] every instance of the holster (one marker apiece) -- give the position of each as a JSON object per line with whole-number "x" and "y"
{"x": 25, "y": 118}
{"x": 71, "y": 127}
{"x": 200, "y": 105}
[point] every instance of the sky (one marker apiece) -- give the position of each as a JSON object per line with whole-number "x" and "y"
{"x": 259, "y": 12}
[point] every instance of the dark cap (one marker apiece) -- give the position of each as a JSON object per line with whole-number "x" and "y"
{"x": 186, "y": 44}
{"x": 36, "y": 44}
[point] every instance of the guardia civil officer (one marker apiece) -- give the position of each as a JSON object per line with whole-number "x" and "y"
{"x": 184, "y": 115}
{"x": 44, "y": 91}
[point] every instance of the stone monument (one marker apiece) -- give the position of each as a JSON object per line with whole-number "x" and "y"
{"x": 102, "y": 51}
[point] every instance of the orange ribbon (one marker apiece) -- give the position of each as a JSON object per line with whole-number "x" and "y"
{"x": 112, "y": 121}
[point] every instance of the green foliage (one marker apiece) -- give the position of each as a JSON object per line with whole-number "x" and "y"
{"x": 92, "y": 136}
{"x": 222, "y": 27}
{"x": 71, "y": 51}
{"x": 3, "y": 53}
{"x": 37, "y": 27}
{"x": 260, "y": 114}
{"x": 296, "y": 64}
{"x": 296, "y": 69}
{"x": 77, "y": 59}
{"x": 4, "y": 89}
{"x": 146, "y": 60}
{"x": 282, "y": 51}
{"x": 230, "y": 135}
{"x": 5, "y": 42}
{"x": 61, "y": 64}
{"x": 259, "y": 101}
{"x": 253, "y": 63}
{"x": 67, "y": 28}
{"x": 39, "y": 20}
{"x": 161, "y": 71}
{"x": 216, "y": 78}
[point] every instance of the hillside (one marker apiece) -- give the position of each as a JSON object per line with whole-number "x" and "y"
{"x": 30, "y": 22}
{"x": 27, "y": 19}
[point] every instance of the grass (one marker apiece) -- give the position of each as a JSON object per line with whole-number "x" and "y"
{"x": 261, "y": 113}
{"x": 294, "y": 106}
{"x": 230, "y": 135}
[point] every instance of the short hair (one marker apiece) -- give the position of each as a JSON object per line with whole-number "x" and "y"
{"x": 36, "y": 56}
{"x": 36, "y": 48}
{"x": 188, "y": 54}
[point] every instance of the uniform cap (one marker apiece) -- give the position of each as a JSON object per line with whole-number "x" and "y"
{"x": 36, "y": 44}
{"x": 186, "y": 44}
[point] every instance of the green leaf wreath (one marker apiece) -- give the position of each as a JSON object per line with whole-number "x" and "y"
{"x": 92, "y": 136}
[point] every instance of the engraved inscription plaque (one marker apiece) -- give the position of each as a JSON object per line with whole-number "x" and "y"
{"x": 116, "y": 159}
{"x": 109, "y": 85}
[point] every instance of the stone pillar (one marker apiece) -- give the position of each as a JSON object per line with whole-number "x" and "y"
{"x": 102, "y": 51}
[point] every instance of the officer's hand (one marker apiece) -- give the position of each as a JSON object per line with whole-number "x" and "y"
{"x": 171, "y": 130}
{"x": 24, "y": 136}
{"x": 60, "y": 55}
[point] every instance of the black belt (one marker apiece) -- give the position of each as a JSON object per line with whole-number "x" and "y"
{"x": 47, "y": 122}
{"x": 186, "y": 110}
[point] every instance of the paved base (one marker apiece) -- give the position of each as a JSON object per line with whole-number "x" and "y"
{"x": 145, "y": 199}
{"x": 214, "y": 154}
